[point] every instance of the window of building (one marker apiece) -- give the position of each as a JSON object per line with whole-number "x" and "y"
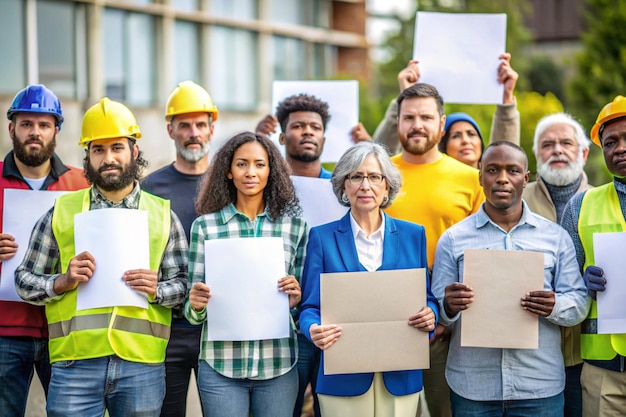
{"x": 186, "y": 5}
{"x": 285, "y": 11}
{"x": 314, "y": 13}
{"x": 323, "y": 61}
{"x": 187, "y": 51}
{"x": 240, "y": 9}
{"x": 58, "y": 45}
{"x": 232, "y": 68}
{"x": 129, "y": 57}
{"x": 289, "y": 58}
{"x": 12, "y": 47}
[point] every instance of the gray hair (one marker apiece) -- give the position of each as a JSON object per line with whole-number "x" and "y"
{"x": 556, "y": 118}
{"x": 352, "y": 160}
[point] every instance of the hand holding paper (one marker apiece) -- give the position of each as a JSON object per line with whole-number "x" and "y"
{"x": 290, "y": 286}
{"x": 424, "y": 320}
{"x": 507, "y": 76}
{"x": 80, "y": 269}
{"x": 594, "y": 280}
{"x": 199, "y": 296}
{"x": 539, "y": 302}
{"x": 142, "y": 280}
{"x": 8, "y": 247}
{"x": 458, "y": 297}
{"x": 267, "y": 125}
{"x": 324, "y": 336}
{"x": 409, "y": 75}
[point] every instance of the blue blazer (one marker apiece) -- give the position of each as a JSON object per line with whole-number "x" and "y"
{"x": 331, "y": 248}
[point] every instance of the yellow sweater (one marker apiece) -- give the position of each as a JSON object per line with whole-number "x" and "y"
{"x": 436, "y": 195}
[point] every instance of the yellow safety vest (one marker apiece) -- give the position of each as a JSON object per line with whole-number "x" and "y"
{"x": 132, "y": 333}
{"x": 600, "y": 212}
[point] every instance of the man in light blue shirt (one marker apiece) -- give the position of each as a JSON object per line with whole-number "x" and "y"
{"x": 493, "y": 381}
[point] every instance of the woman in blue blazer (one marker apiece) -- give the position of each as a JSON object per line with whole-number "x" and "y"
{"x": 365, "y": 239}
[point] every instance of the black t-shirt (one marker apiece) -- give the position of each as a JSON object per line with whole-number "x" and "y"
{"x": 181, "y": 189}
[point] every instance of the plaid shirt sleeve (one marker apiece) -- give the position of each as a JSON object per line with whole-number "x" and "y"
{"x": 34, "y": 278}
{"x": 172, "y": 285}
{"x": 196, "y": 269}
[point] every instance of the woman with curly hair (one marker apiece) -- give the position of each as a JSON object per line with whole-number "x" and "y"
{"x": 247, "y": 193}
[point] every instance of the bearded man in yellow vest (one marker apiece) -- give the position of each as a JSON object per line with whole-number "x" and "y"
{"x": 601, "y": 210}
{"x": 107, "y": 357}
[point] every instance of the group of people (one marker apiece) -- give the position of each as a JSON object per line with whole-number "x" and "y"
{"x": 442, "y": 193}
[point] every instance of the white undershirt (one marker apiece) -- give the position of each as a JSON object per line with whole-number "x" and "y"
{"x": 35, "y": 183}
{"x": 369, "y": 250}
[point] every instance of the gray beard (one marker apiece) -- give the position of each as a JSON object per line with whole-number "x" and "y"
{"x": 193, "y": 155}
{"x": 560, "y": 177}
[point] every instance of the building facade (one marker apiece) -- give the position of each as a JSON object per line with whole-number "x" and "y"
{"x": 136, "y": 51}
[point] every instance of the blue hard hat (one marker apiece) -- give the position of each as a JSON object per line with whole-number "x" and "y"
{"x": 36, "y": 98}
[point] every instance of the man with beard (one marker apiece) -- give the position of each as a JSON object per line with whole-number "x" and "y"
{"x": 303, "y": 119}
{"x": 35, "y": 119}
{"x": 437, "y": 192}
{"x": 596, "y": 211}
{"x": 561, "y": 149}
{"x": 110, "y": 357}
{"x": 190, "y": 114}
{"x": 498, "y": 381}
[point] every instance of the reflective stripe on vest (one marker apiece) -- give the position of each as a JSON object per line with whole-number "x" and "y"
{"x": 600, "y": 212}
{"x": 101, "y": 321}
{"x": 132, "y": 333}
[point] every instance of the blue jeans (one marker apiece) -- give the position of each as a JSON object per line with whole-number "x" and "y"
{"x": 18, "y": 357}
{"x": 541, "y": 407}
{"x": 308, "y": 367}
{"x": 87, "y": 387}
{"x": 228, "y": 397}
{"x": 181, "y": 358}
{"x": 573, "y": 391}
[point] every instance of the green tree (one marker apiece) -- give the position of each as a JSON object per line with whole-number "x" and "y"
{"x": 601, "y": 66}
{"x": 600, "y": 72}
{"x": 545, "y": 75}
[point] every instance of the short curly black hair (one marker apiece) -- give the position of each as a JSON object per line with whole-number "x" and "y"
{"x": 301, "y": 102}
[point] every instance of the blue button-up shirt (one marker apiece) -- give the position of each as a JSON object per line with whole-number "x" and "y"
{"x": 491, "y": 374}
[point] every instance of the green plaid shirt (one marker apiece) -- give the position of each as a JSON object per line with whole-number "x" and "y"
{"x": 254, "y": 359}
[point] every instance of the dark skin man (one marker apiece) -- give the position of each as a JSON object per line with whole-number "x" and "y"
{"x": 503, "y": 176}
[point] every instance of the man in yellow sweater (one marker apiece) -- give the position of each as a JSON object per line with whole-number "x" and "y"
{"x": 437, "y": 192}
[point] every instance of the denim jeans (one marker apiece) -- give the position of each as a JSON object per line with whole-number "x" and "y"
{"x": 308, "y": 367}
{"x": 228, "y": 397}
{"x": 87, "y": 387}
{"x": 181, "y": 358}
{"x": 18, "y": 357}
{"x": 540, "y": 407}
{"x": 573, "y": 391}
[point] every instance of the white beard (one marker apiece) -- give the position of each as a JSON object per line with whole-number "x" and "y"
{"x": 193, "y": 155}
{"x": 561, "y": 176}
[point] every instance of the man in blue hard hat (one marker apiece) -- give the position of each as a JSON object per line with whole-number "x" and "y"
{"x": 35, "y": 119}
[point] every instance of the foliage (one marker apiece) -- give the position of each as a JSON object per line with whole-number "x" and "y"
{"x": 545, "y": 75}
{"x": 601, "y": 65}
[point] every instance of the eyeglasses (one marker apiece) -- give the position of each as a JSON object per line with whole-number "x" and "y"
{"x": 373, "y": 179}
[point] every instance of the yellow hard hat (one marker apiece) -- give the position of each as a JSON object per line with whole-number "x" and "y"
{"x": 107, "y": 120}
{"x": 613, "y": 110}
{"x": 189, "y": 97}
